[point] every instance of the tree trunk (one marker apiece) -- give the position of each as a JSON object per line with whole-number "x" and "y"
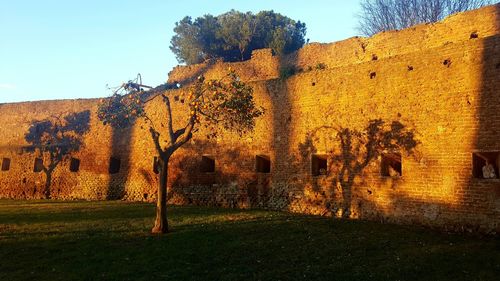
{"x": 347, "y": 197}
{"x": 161, "y": 222}
{"x": 48, "y": 181}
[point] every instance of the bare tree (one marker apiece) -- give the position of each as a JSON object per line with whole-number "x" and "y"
{"x": 226, "y": 103}
{"x": 383, "y": 15}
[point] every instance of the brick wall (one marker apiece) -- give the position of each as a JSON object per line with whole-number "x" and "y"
{"x": 436, "y": 81}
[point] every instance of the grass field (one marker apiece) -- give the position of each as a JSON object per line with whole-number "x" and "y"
{"x": 45, "y": 240}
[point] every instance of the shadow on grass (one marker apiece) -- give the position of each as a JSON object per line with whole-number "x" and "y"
{"x": 218, "y": 244}
{"x": 48, "y": 212}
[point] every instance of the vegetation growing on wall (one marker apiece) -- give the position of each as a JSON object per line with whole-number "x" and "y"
{"x": 233, "y": 35}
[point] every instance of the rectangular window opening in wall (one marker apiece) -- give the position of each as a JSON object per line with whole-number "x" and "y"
{"x": 38, "y": 167}
{"x": 207, "y": 164}
{"x": 156, "y": 167}
{"x": 391, "y": 165}
{"x": 5, "y": 164}
{"x": 114, "y": 165}
{"x": 262, "y": 164}
{"x": 485, "y": 165}
{"x": 74, "y": 165}
{"x": 319, "y": 165}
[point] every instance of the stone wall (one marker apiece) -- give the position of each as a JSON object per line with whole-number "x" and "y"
{"x": 439, "y": 82}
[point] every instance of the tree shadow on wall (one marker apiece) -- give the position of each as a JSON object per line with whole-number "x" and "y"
{"x": 354, "y": 150}
{"x": 53, "y": 140}
{"x": 235, "y": 184}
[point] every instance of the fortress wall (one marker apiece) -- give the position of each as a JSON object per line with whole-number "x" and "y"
{"x": 440, "y": 88}
{"x": 454, "y": 29}
{"x": 452, "y": 108}
{"x": 442, "y": 104}
{"x": 21, "y": 182}
{"x": 263, "y": 66}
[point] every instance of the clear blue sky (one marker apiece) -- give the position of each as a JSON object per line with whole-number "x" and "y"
{"x": 68, "y": 49}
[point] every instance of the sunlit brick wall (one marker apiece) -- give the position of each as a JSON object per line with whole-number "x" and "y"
{"x": 439, "y": 81}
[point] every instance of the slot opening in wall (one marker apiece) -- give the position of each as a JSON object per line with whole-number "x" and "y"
{"x": 207, "y": 164}
{"x": 391, "y": 165}
{"x": 38, "y": 167}
{"x": 114, "y": 165}
{"x": 485, "y": 165}
{"x": 263, "y": 164}
{"x": 319, "y": 164}
{"x": 5, "y": 164}
{"x": 74, "y": 165}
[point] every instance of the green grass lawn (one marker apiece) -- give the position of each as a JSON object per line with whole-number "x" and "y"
{"x": 45, "y": 240}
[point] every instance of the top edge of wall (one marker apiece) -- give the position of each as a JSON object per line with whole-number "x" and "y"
{"x": 263, "y": 65}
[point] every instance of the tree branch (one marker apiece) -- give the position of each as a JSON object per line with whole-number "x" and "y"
{"x": 169, "y": 115}
{"x": 156, "y": 139}
{"x": 186, "y": 136}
